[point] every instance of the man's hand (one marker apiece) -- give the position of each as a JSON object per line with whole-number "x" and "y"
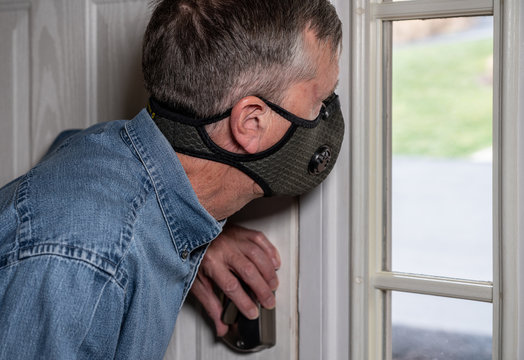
{"x": 243, "y": 253}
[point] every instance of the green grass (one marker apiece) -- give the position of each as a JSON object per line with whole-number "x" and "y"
{"x": 442, "y": 103}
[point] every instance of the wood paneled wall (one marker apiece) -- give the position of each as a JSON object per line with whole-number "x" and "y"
{"x": 72, "y": 63}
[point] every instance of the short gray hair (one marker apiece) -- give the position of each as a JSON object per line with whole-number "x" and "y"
{"x": 205, "y": 55}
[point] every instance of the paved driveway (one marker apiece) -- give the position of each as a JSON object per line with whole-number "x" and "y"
{"x": 442, "y": 225}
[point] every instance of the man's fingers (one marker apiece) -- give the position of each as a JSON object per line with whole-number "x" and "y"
{"x": 239, "y": 253}
{"x": 203, "y": 291}
{"x": 263, "y": 242}
{"x": 263, "y": 263}
{"x": 232, "y": 288}
{"x": 250, "y": 274}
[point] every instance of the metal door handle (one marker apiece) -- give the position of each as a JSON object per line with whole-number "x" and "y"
{"x": 245, "y": 335}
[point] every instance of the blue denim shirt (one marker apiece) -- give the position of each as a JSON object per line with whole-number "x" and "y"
{"x": 99, "y": 245}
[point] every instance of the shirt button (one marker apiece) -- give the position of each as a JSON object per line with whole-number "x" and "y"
{"x": 184, "y": 254}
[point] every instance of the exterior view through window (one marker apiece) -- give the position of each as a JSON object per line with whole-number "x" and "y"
{"x": 441, "y": 191}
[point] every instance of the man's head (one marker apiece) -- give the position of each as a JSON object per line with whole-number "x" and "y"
{"x": 206, "y": 55}
{"x": 238, "y": 88}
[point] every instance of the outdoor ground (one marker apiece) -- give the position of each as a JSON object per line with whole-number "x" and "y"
{"x": 417, "y": 344}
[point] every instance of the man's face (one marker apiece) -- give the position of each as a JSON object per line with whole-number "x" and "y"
{"x": 304, "y": 99}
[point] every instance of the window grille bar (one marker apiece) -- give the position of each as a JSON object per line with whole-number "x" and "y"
{"x": 434, "y": 285}
{"x": 417, "y": 9}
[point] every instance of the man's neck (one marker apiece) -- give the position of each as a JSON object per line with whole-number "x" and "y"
{"x": 221, "y": 189}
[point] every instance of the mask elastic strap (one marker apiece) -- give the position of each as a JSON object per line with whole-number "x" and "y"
{"x": 207, "y": 150}
{"x": 296, "y": 119}
{"x": 221, "y": 159}
{"x": 185, "y": 116}
{"x": 210, "y": 144}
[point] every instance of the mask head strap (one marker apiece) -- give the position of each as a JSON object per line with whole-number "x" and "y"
{"x": 180, "y": 114}
{"x": 187, "y": 117}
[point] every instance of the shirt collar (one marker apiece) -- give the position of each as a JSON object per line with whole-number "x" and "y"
{"x": 190, "y": 225}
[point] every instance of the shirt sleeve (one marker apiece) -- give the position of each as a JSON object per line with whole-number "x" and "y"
{"x": 55, "y": 307}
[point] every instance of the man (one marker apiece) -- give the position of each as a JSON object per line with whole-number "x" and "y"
{"x": 101, "y": 241}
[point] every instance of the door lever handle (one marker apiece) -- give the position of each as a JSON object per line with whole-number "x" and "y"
{"x": 245, "y": 335}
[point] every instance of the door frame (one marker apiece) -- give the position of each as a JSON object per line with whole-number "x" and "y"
{"x": 340, "y": 221}
{"x": 324, "y": 232}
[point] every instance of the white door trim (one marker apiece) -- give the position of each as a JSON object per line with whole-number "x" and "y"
{"x": 324, "y": 223}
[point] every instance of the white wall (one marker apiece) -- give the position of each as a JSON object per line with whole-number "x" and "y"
{"x": 71, "y": 63}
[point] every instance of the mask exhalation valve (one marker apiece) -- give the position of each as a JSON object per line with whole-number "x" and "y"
{"x": 320, "y": 160}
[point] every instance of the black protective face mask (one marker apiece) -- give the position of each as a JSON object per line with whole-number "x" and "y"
{"x": 301, "y": 160}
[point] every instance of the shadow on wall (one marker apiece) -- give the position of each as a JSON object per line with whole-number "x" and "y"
{"x": 134, "y": 91}
{"x": 119, "y": 85}
{"x": 262, "y": 208}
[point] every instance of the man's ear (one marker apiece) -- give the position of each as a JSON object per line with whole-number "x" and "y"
{"x": 249, "y": 121}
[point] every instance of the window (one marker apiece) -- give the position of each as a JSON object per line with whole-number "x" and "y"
{"x": 440, "y": 186}
{"x": 435, "y": 241}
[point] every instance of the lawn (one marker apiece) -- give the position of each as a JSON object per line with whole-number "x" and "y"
{"x": 442, "y": 98}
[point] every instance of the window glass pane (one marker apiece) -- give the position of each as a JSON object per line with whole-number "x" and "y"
{"x": 441, "y": 141}
{"x": 438, "y": 328}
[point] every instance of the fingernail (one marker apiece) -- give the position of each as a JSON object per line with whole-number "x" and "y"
{"x": 273, "y": 283}
{"x": 222, "y": 333}
{"x": 270, "y": 303}
{"x": 276, "y": 263}
{"x": 253, "y": 313}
